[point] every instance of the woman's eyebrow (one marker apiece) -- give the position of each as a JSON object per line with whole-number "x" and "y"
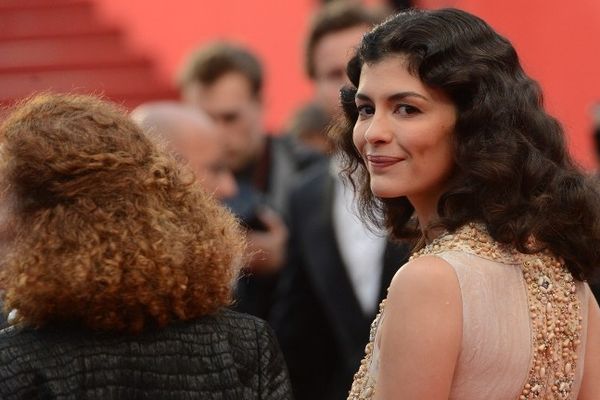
{"x": 393, "y": 97}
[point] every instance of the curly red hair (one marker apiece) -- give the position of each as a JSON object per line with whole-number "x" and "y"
{"x": 109, "y": 232}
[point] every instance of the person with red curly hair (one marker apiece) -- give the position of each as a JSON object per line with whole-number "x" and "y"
{"x": 117, "y": 268}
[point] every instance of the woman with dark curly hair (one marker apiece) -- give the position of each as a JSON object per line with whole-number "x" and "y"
{"x": 116, "y": 268}
{"x": 448, "y": 144}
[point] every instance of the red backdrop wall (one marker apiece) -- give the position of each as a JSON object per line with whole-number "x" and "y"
{"x": 557, "y": 42}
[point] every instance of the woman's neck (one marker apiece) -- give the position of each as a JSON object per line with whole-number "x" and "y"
{"x": 426, "y": 212}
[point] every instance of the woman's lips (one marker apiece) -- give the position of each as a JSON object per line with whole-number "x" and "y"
{"x": 381, "y": 162}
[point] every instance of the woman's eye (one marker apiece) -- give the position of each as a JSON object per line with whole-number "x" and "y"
{"x": 365, "y": 110}
{"x": 405, "y": 109}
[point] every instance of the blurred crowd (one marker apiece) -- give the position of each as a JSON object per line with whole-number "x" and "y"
{"x": 315, "y": 272}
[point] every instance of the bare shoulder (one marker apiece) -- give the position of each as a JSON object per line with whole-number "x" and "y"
{"x": 422, "y": 330}
{"x": 426, "y": 277}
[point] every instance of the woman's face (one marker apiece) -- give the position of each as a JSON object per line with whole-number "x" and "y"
{"x": 403, "y": 132}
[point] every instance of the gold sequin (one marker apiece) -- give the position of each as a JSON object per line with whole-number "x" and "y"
{"x": 554, "y": 310}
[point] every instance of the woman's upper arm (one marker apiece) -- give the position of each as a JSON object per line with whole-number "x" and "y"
{"x": 590, "y": 387}
{"x": 421, "y": 333}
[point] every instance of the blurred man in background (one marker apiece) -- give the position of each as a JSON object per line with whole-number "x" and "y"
{"x": 334, "y": 34}
{"x": 194, "y": 139}
{"x": 226, "y": 82}
{"x": 337, "y": 271}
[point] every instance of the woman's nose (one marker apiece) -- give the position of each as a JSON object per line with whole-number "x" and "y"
{"x": 379, "y": 130}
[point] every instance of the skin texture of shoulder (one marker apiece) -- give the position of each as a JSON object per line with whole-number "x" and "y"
{"x": 421, "y": 333}
{"x": 590, "y": 388}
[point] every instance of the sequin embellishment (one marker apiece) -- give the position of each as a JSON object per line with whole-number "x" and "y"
{"x": 554, "y": 311}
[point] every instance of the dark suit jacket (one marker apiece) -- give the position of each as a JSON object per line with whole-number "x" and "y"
{"x": 268, "y": 182}
{"x": 316, "y": 315}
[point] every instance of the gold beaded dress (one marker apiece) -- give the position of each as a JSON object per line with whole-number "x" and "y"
{"x": 524, "y": 323}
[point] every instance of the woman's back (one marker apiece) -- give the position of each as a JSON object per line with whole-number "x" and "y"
{"x": 497, "y": 351}
{"x": 513, "y": 342}
{"x": 116, "y": 267}
{"x": 225, "y": 356}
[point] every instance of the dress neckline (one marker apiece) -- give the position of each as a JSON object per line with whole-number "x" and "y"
{"x": 472, "y": 238}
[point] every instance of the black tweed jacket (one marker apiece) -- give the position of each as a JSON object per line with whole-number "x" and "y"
{"x": 225, "y": 356}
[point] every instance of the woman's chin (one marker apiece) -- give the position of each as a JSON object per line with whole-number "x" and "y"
{"x": 385, "y": 193}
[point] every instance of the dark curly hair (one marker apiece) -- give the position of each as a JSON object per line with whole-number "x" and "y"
{"x": 107, "y": 230}
{"x": 512, "y": 170}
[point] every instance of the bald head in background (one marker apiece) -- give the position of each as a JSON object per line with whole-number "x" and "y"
{"x": 193, "y": 137}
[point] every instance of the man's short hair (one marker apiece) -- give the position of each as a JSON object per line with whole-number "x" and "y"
{"x": 334, "y": 17}
{"x": 207, "y": 64}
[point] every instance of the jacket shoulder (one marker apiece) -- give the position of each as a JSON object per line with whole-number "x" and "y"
{"x": 226, "y": 348}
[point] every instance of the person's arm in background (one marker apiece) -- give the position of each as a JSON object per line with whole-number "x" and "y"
{"x": 267, "y": 248}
